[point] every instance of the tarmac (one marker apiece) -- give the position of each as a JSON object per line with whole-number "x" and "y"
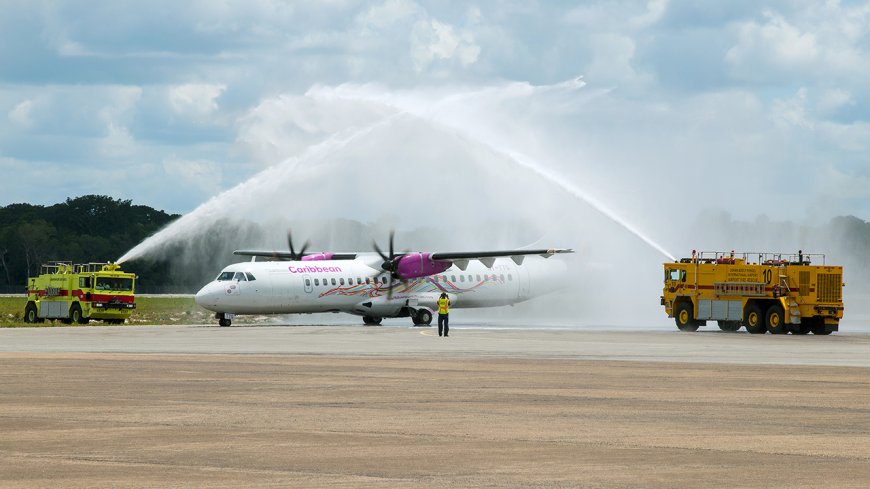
{"x": 353, "y": 406}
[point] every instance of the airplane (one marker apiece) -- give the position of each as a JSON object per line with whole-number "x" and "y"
{"x": 378, "y": 285}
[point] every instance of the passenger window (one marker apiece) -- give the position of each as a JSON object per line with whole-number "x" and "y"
{"x": 250, "y": 276}
{"x": 341, "y": 281}
{"x": 333, "y": 282}
{"x": 462, "y": 278}
{"x": 510, "y": 278}
{"x": 501, "y": 277}
{"x": 453, "y": 278}
{"x": 316, "y": 281}
{"x": 478, "y": 277}
{"x": 367, "y": 281}
{"x": 358, "y": 281}
{"x": 308, "y": 282}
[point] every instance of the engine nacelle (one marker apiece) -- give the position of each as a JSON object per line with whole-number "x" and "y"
{"x": 414, "y": 265}
{"x": 318, "y": 256}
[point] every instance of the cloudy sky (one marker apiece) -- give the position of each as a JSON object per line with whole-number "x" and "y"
{"x": 651, "y": 107}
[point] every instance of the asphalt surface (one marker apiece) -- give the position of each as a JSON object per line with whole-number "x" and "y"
{"x": 709, "y": 346}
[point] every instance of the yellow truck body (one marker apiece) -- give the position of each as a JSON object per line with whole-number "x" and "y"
{"x": 763, "y": 292}
{"x": 77, "y": 293}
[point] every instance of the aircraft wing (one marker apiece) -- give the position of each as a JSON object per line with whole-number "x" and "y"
{"x": 286, "y": 255}
{"x": 461, "y": 258}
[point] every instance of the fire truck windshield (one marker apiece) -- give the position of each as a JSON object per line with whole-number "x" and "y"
{"x": 114, "y": 283}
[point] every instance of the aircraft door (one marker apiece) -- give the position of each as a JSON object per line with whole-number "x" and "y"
{"x": 306, "y": 281}
{"x": 523, "y": 282}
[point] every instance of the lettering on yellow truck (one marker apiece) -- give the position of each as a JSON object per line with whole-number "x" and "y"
{"x": 763, "y": 292}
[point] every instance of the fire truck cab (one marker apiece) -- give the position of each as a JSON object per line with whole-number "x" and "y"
{"x": 764, "y": 292}
{"x": 77, "y": 293}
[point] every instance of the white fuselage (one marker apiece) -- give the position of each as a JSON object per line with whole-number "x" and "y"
{"x": 357, "y": 287}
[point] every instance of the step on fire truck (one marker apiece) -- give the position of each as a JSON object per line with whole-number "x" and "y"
{"x": 774, "y": 293}
{"x": 77, "y": 293}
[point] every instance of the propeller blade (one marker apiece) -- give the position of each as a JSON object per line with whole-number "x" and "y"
{"x": 378, "y": 249}
{"x": 392, "y": 237}
{"x": 290, "y": 245}
{"x": 302, "y": 251}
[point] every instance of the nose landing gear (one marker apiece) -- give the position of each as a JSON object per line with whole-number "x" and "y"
{"x": 224, "y": 319}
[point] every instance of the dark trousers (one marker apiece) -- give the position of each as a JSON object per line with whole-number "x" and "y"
{"x": 442, "y": 324}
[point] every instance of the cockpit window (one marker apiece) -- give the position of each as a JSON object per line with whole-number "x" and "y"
{"x": 225, "y": 276}
{"x": 250, "y": 276}
{"x": 240, "y": 277}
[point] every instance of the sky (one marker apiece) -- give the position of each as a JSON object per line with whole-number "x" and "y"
{"x": 659, "y": 110}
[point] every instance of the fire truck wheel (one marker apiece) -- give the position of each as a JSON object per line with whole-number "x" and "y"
{"x": 801, "y": 329}
{"x": 30, "y": 315}
{"x": 753, "y": 320}
{"x": 75, "y": 314}
{"x": 818, "y": 327}
{"x": 729, "y": 325}
{"x": 774, "y": 321}
{"x": 685, "y": 317}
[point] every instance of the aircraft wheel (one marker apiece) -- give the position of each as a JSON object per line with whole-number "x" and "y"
{"x": 684, "y": 317}
{"x": 225, "y": 322}
{"x": 30, "y": 314}
{"x": 753, "y": 321}
{"x": 774, "y": 320}
{"x": 372, "y": 320}
{"x": 423, "y": 318}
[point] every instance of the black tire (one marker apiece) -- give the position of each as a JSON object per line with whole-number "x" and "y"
{"x": 818, "y": 328}
{"x": 225, "y": 322}
{"x": 801, "y": 329}
{"x": 774, "y": 320}
{"x": 684, "y": 316}
{"x": 371, "y": 320}
{"x": 31, "y": 315}
{"x": 753, "y": 319}
{"x": 729, "y": 325}
{"x": 75, "y": 315}
{"x": 423, "y": 317}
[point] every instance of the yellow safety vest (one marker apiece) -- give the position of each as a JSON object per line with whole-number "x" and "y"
{"x": 443, "y": 305}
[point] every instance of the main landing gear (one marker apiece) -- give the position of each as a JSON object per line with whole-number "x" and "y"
{"x": 422, "y": 317}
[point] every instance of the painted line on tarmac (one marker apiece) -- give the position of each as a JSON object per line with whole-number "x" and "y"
{"x": 427, "y": 333}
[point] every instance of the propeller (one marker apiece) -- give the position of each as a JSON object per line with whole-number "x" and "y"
{"x": 293, "y": 255}
{"x": 391, "y": 264}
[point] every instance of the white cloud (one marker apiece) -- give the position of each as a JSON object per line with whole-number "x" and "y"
{"x": 389, "y": 13}
{"x": 195, "y": 100}
{"x": 833, "y": 99}
{"x": 433, "y": 40}
{"x": 776, "y": 42}
{"x": 655, "y": 10}
{"x": 203, "y": 175}
{"x": 21, "y": 114}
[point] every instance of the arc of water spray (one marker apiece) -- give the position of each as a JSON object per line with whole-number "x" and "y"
{"x": 187, "y": 223}
{"x": 522, "y": 160}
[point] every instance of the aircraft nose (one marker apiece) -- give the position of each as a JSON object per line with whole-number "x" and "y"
{"x": 207, "y": 296}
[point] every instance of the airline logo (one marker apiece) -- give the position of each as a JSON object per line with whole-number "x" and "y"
{"x": 313, "y": 269}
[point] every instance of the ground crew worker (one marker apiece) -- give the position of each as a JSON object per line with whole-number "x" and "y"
{"x": 443, "y": 310}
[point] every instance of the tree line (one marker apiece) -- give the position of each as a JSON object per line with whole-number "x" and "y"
{"x": 95, "y": 228}
{"x": 91, "y": 228}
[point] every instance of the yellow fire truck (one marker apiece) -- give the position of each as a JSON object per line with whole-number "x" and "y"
{"x": 77, "y": 293}
{"x": 765, "y": 292}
